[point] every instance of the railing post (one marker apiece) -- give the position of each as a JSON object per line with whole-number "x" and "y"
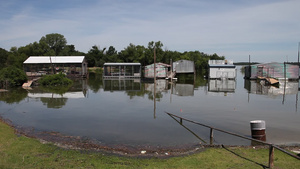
{"x": 180, "y": 120}
{"x": 211, "y": 136}
{"x": 271, "y": 157}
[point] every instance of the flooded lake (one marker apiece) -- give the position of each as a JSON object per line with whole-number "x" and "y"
{"x": 114, "y": 112}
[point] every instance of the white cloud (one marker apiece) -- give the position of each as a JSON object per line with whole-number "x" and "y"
{"x": 226, "y": 28}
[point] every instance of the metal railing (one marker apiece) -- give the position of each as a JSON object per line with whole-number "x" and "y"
{"x": 271, "y": 146}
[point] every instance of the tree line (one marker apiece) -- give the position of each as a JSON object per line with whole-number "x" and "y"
{"x": 56, "y": 45}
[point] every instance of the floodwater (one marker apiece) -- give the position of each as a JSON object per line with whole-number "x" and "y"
{"x": 114, "y": 112}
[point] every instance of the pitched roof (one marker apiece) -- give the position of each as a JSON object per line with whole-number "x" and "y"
{"x": 54, "y": 59}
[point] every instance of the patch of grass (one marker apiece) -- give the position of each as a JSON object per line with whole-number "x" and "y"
{"x": 97, "y": 70}
{"x": 23, "y": 152}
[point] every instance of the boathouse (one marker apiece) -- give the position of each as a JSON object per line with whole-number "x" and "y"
{"x": 161, "y": 70}
{"x": 221, "y": 69}
{"x": 42, "y": 65}
{"x": 272, "y": 70}
{"x": 184, "y": 66}
{"x": 122, "y": 70}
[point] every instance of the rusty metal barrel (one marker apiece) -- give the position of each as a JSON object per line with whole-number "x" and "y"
{"x": 258, "y": 129}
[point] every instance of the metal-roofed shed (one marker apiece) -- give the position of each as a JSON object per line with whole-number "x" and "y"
{"x": 221, "y": 69}
{"x": 122, "y": 70}
{"x": 184, "y": 66}
{"x": 272, "y": 70}
{"x": 160, "y": 68}
{"x": 69, "y": 65}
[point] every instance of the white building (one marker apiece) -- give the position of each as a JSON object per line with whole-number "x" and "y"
{"x": 221, "y": 69}
{"x": 69, "y": 65}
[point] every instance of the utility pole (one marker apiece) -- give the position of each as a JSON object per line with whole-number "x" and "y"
{"x": 298, "y": 52}
{"x": 52, "y": 67}
{"x": 154, "y": 95}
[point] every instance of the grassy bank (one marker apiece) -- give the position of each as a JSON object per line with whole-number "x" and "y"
{"x": 22, "y": 152}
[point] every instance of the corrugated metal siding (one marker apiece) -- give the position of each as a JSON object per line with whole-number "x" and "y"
{"x": 218, "y": 73}
{"x": 274, "y": 70}
{"x": 184, "y": 66}
{"x": 161, "y": 70}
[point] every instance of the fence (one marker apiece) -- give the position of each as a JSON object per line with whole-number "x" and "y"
{"x": 271, "y": 146}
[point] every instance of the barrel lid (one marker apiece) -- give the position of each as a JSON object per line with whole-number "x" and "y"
{"x": 257, "y": 121}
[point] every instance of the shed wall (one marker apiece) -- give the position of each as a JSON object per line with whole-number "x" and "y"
{"x": 219, "y": 73}
{"x": 274, "y": 70}
{"x": 161, "y": 71}
{"x": 184, "y": 66}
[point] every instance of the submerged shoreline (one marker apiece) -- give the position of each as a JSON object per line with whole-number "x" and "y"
{"x": 86, "y": 144}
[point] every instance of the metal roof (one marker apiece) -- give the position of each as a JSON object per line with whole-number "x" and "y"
{"x": 54, "y": 59}
{"x": 122, "y": 64}
{"x": 158, "y": 64}
{"x": 222, "y": 66}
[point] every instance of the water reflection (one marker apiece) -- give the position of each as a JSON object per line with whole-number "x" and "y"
{"x": 284, "y": 88}
{"x": 121, "y": 84}
{"x": 132, "y": 112}
{"x": 183, "y": 89}
{"x": 14, "y": 95}
{"x": 160, "y": 86}
{"x": 57, "y": 96}
{"x": 221, "y": 85}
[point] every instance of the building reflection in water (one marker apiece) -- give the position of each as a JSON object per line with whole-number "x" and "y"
{"x": 284, "y": 88}
{"x": 121, "y": 84}
{"x": 57, "y": 97}
{"x": 224, "y": 86}
{"x": 183, "y": 89}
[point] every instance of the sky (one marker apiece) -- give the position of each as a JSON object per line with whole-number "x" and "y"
{"x": 268, "y": 30}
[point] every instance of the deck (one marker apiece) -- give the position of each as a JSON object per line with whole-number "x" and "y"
{"x": 270, "y": 80}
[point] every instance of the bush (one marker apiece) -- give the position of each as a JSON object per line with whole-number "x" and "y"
{"x": 12, "y": 76}
{"x": 55, "y": 80}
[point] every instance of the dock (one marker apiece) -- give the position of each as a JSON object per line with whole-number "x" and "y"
{"x": 29, "y": 82}
{"x": 271, "y": 81}
{"x": 3, "y": 90}
{"x": 171, "y": 75}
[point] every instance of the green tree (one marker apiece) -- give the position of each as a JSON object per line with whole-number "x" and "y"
{"x": 55, "y": 80}
{"x": 112, "y": 55}
{"x": 95, "y": 56}
{"x": 55, "y": 42}
{"x": 3, "y": 57}
{"x": 129, "y": 54}
{"x": 141, "y": 51}
{"x": 15, "y": 58}
{"x": 158, "y": 51}
{"x": 69, "y": 50}
{"x": 12, "y": 76}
